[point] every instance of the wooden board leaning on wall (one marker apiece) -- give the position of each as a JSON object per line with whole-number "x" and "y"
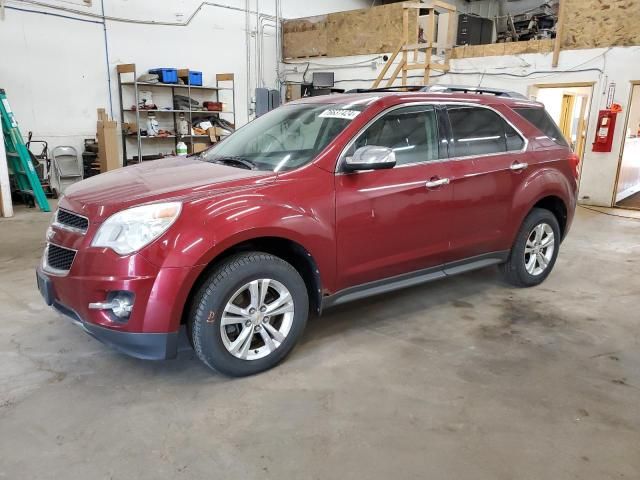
{"x": 356, "y": 32}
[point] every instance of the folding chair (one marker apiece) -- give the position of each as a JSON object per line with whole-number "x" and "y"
{"x": 65, "y": 164}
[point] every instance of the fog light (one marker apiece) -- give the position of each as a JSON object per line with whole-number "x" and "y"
{"x": 119, "y": 304}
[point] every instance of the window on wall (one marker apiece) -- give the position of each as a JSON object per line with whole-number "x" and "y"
{"x": 411, "y": 132}
{"x": 481, "y": 131}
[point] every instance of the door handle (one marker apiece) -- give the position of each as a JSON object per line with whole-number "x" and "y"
{"x": 437, "y": 183}
{"x": 516, "y": 167}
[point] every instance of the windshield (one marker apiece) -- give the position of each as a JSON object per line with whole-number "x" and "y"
{"x": 285, "y": 138}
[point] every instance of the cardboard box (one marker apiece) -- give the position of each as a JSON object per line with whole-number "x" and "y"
{"x": 107, "y": 133}
{"x": 215, "y": 134}
{"x": 130, "y": 128}
{"x": 199, "y": 147}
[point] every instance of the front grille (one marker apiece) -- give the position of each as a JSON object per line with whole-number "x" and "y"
{"x": 59, "y": 258}
{"x": 72, "y": 220}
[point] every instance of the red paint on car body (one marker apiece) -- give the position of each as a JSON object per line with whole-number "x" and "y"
{"x": 357, "y": 227}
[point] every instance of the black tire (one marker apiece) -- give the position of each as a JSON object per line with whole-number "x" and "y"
{"x": 514, "y": 269}
{"x": 213, "y": 296}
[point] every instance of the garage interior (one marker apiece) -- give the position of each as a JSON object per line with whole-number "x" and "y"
{"x": 462, "y": 378}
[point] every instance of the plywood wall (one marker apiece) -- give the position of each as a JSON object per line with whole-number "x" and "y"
{"x": 590, "y": 24}
{"x": 498, "y": 49}
{"x": 371, "y": 30}
{"x": 601, "y": 23}
{"x": 305, "y": 37}
{"x": 357, "y": 32}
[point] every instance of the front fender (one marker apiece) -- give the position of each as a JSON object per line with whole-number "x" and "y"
{"x": 207, "y": 227}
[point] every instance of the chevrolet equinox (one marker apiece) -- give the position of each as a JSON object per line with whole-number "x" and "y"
{"x": 319, "y": 202}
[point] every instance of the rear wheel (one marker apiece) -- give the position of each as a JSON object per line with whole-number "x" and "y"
{"x": 249, "y": 314}
{"x": 535, "y": 250}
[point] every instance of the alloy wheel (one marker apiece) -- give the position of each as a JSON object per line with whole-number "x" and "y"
{"x": 257, "y": 319}
{"x": 538, "y": 250}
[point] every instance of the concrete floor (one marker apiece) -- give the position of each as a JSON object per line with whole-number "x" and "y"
{"x": 463, "y": 379}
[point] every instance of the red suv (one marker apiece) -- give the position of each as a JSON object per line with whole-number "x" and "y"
{"x": 319, "y": 202}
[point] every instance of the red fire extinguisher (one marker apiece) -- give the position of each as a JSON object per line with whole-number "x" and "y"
{"x": 605, "y": 129}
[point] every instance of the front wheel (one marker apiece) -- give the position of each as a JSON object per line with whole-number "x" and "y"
{"x": 535, "y": 250}
{"x": 249, "y": 314}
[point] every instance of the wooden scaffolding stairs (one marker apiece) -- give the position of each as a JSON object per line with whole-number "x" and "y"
{"x": 434, "y": 8}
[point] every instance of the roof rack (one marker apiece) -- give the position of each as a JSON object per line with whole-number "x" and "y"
{"x": 400, "y": 88}
{"x": 477, "y": 90}
{"x": 443, "y": 89}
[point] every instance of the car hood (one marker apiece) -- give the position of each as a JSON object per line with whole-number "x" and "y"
{"x": 174, "y": 178}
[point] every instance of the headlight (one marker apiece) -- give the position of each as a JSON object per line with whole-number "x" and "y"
{"x": 130, "y": 230}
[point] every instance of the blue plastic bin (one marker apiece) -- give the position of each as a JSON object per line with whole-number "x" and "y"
{"x": 167, "y": 75}
{"x": 194, "y": 78}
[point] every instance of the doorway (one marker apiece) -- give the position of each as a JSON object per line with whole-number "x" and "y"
{"x": 628, "y": 184}
{"x": 569, "y": 105}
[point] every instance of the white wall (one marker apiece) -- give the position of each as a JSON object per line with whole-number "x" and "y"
{"x": 552, "y": 100}
{"x": 307, "y": 8}
{"x": 518, "y": 73}
{"x": 54, "y": 79}
{"x": 55, "y": 72}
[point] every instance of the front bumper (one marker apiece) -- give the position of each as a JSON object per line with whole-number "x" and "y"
{"x": 147, "y": 346}
{"x": 151, "y": 332}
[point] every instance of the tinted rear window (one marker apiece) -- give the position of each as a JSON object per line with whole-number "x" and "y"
{"x": 480, "y": 131}
{"x": 543, "y": 122}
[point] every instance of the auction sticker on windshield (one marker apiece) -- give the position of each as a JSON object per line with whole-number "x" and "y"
{"x": 337, "y": 113}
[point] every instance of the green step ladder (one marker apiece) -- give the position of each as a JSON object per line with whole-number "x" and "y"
{"x": 18, "y": 157}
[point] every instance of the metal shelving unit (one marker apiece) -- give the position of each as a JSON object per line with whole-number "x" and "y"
{"x": 224, "y": 82}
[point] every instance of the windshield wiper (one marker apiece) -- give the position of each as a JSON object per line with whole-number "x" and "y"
{"x": 235, "y": 161}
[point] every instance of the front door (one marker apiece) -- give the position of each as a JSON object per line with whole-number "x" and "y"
{"x": 395, "y": 221}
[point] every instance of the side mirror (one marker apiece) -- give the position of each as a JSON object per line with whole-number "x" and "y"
{"x": 370, "y": 158}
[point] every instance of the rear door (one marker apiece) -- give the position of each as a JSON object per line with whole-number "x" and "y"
{"x": 489, "y": 160}
{"x": 395, "y": 221}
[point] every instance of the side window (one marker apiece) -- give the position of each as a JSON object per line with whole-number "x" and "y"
{"x": 480, "y": 131}
{"x": 514, "y": 140}
{"x": 540, "y": 119}
{"x": 412, "y": 133}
